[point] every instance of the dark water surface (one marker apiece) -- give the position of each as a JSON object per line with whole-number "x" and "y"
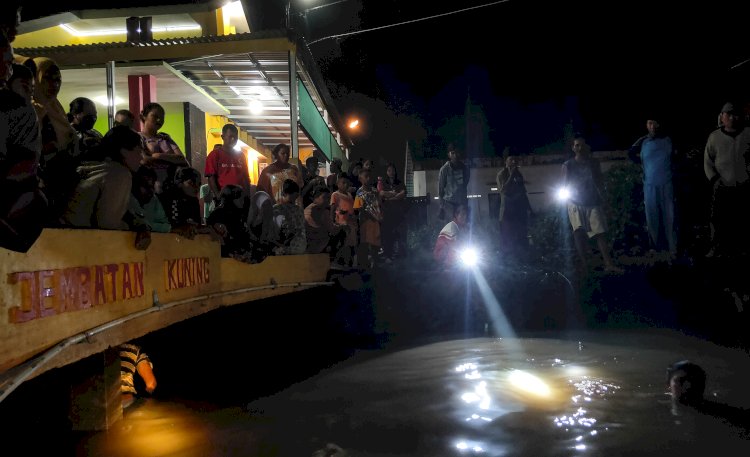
{"x": 406, "y": 365}
{"x": 600, "y": 395}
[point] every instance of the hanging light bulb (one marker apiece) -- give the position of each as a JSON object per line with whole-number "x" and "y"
{"x": 256, "y": 107}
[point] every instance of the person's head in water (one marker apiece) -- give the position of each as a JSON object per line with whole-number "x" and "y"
{"x": 686, "y": 382}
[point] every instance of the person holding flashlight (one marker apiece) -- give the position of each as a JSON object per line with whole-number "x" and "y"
{"x": 446, "y": 251}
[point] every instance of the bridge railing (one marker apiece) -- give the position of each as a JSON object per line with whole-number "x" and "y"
{"x": 73, "y": 281}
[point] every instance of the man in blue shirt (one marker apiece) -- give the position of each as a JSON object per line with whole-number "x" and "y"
{"x": 655, "y": 152}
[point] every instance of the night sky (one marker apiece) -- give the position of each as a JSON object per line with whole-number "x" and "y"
{"x": 517, "y": 60}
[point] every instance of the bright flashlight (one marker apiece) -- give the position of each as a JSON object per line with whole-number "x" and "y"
{"x": 469, "y": 257}
{"x": 563, "y": 194}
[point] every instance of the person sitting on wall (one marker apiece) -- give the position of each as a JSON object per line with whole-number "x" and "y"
{"x": 144, "y": 209}
{"x": 180, "y": 202}
{"x": 260, "y": 226}
{"x": 100, "y": 200}
{"x": 289, "y": 221}
{"x": 82, "y": 116}
{"x": 446, "y": 248}
{"x": 125, "y": 117}
{"x": 22, "y": 82}
{"x": 132, "y": 361}
{"x": 228, "y": 220}
{"x": 23, "y": 206}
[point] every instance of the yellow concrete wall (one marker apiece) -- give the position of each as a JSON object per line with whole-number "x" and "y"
{"x": 58, "y": 250}
{"x": 217, "y": 122}
{"x": 174, "y": 122}
{"x": 56, "y": 36}
{"x": 281, "y": 269}
{"x": 304, "y": 153}
{"x": 214, "y": 22}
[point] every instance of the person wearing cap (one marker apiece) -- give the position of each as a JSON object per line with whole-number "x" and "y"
{"x": 654, "y": 151}
{"x": 725, "y": 162}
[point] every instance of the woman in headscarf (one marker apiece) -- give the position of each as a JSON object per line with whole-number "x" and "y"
{"x": 58, "y": 162}
{"x": 57, "y": 133}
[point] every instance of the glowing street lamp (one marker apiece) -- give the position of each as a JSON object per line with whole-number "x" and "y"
{"x": 354, "y": 124}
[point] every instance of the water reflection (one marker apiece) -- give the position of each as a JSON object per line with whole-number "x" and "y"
{"x": 516, "y": 394}
{"x": 150, "y": 428}
{"x": 457, "y": 398}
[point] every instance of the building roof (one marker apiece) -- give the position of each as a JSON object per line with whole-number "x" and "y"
{"x": 234, "y": 70}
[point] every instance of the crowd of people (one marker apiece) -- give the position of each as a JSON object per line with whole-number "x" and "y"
{"x": 726, "y": 165}
{"x": 58, "y": 171}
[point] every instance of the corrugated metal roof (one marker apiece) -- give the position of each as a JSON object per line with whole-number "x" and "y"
{"x": 233, "y": 79}
{"x": 237, "y": 80}
{"x": 47, "y": 50}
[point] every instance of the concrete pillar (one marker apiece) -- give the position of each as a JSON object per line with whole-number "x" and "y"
{"x": 96, "y": 402}
{"x": 141, "y": 92}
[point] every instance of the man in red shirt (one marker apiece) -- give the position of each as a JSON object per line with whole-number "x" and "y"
{"x": 227, "y": 165}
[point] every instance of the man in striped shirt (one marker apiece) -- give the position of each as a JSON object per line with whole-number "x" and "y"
{"x": 132, "y": 360}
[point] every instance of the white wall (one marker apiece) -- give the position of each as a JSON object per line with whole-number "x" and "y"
{"x": 420, "y": 183}
{"x": 541, "y": 183}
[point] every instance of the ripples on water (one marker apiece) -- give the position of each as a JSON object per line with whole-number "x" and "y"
{"x": 468, "y": 397}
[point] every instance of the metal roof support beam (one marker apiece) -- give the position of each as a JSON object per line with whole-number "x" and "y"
{"x": 260, "y": 124}
{"x": 197, "y": 88}
{"x": 110, "y": 94}
{"x": 264, "y": 75}
{"x": 293, "y": 108}
{"x": 260, "y": 117}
